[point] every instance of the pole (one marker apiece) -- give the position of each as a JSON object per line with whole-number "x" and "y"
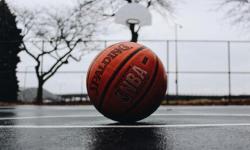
{"x": 229, "y": 72}
{"x": 82, "y": 77}
{"x": 42, "y": 57}
{"x": 167, "y": 65}
{"x": 105, "y": 44}
{"x": 25, "y": 77}
{"x": 176, "y": 60}
{"x": 167, "y": 57}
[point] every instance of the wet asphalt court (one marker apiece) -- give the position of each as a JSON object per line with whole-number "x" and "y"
{"x": 82, "y": 127}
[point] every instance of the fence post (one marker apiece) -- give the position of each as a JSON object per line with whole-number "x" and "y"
{"x": 167, "y": 57}
{"x": 105, "y": 43}
{"x": 42, "y": 61}
{"x": 229, "y": 72}
{"x": 167, "y": 65}
{"x": 176, "y": 68}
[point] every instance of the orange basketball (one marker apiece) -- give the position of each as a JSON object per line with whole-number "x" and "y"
{"x": 126, "y": 82}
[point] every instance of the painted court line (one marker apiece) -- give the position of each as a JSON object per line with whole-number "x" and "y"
{"x": 121, "y": 126}
{"x": 98, "y": 115}
{"x": 45, "y": 117}
{"x": 206, "y": 107}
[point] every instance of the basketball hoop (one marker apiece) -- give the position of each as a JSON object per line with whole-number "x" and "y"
{"x": 133, "y": 21}
{"x": 133, "y": 13}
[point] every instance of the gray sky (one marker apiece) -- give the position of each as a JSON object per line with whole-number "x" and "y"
{"x": 200, "y": 21}
{"x": 199, "y": 18}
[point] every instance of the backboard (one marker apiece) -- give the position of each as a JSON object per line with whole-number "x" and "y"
{"x": 133, "y": 13}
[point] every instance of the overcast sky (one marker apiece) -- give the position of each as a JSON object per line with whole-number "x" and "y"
{"x": 200, "y": 21}
{"x": 199, "y": 18}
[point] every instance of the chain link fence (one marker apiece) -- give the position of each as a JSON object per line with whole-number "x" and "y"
{"x": 194, "y": 68}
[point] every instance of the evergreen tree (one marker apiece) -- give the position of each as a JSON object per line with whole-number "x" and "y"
{"x": 10, "y": 41}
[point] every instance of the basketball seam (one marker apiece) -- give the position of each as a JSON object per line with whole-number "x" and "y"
{"x": 92, "y": 64}
{"x": 148, "y": 88}
{"x": 101, "y": 99}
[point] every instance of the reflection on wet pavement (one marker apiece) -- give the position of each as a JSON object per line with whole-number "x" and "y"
{"x": 82, "y": 127}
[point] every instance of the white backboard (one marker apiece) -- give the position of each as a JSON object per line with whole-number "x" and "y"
{"x": 133, "y": 13}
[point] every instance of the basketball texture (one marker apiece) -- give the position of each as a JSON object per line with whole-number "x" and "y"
{"x": 126, "y": 82}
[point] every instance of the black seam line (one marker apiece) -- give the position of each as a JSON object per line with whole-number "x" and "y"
{"x": 91, "y": 66}
{"x": 93, "y": 62}
{"x": 148, "y": 88}
{"x": 101, "y": 99}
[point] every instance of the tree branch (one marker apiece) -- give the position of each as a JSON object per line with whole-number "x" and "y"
{"x": 28, "y": 52}
{"x": 52, "y": 72}
{"x": 64, "y": 56}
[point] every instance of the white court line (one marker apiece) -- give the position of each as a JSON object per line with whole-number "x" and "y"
{"x": 98, "y": 115}
{"x": 91, "y": 107}
{"x": 45, "y": 117}
{"x": 205, "y": 114}
{"x": 120, "y": 126}
{"x": 228, "y": 107}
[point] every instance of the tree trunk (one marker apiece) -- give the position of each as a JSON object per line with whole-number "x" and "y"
{"x": 39, "y": 97}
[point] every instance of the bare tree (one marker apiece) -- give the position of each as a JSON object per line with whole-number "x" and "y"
{"x": 108, "y": 8}
{"x": 57, "y": 35}
{"x": 237, "y": 11}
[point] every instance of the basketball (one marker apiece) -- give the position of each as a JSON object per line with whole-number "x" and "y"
{"x": 126, "y": 82}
